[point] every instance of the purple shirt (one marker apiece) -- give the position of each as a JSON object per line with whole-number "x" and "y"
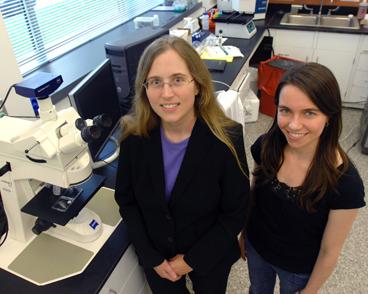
{"x": 173, "y": 154}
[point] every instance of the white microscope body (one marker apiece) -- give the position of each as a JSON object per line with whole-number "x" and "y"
{"x": 48, "y": 150}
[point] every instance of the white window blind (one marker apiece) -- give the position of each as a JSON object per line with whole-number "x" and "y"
{"x": 41, "y": 30}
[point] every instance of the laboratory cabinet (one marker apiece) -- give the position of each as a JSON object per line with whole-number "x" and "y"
{"x": 358, "y": 89}
{"x": 127, "y": 277}
{"x": 293, "y": 44}
{"x": 337, "y": 51}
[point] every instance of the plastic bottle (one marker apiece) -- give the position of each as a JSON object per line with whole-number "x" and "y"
{"x": 205, "y": 22}
{"x": 362, "y": 10}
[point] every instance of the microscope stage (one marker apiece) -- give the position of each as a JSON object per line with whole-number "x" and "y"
{"x": 41, "y": 205}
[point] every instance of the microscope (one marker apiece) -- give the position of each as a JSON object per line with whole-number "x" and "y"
{"x": 46, "y": 170}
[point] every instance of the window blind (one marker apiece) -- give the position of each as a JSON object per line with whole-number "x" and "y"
{"x": 42, "y": 30}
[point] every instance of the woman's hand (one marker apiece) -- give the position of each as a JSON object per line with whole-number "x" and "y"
{"x": 179, "y": 265}
{"x": 243, "y": 248}
{"x": 165, "y": 271}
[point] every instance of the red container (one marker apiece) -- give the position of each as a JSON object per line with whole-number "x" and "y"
{"x": 269, "y": 77}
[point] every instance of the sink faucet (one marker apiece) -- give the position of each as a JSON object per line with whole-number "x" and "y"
{"x": 318, "y": 19}
{"x": 333, "y": 10}
{"x": 307, "y": 8}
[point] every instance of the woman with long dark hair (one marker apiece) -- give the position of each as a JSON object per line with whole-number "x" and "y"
{"x": 306, "y": 191}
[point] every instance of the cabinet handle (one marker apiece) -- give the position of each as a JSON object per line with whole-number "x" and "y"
{"x": 306, "y": 59}
{"x": 317, "y": 59}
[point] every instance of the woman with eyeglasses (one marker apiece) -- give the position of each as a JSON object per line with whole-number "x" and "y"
{"x": 306, "y": 191}
{"x": 182, "y": 183}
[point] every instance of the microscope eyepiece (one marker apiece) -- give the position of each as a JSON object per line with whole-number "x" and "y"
{"x": 103, "y": 120}
{"x": 80, "y": 123}
{"x": 90, "y": 133}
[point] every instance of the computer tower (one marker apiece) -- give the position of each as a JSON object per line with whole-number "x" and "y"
{"x": 124, "y": 55}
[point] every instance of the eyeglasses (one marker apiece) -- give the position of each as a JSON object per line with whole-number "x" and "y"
{"x": 175, "y": 82}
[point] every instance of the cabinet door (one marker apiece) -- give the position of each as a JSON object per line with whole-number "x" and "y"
{"x": 337, "y": 52}
{"x": 294, "y": 38}
{"x": 302, "y": 54}
{"x": 365, "y": 43}
{"x": 363, "y": 61}
{"x": 340, "y": 63}
{"x": 359, "y": 86}
{"x": 358, "y": 95}
{"x": 294, "y": 44}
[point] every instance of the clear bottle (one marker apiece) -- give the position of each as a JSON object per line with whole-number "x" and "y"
{"x": 362, "y": 10}
{"x": 205, "y": 22}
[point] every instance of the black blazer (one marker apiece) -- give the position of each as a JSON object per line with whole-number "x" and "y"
{"x": 207, "y": 207}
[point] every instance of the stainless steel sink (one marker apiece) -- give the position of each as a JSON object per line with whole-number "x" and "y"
{"x": 325, "y": 21}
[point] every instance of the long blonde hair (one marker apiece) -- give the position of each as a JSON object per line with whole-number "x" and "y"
{"x": 141, "y": 119}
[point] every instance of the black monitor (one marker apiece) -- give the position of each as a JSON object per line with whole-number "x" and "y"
{"x": 94, "y": 95}
{"x": 124, "y": 55}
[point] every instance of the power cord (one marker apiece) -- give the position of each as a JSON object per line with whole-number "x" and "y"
{"x": 4, "y": 101}
{"x": 111, "y": 157}
{"x": 22, "y": 116}
{"x": 6, "y": 96}
{"x": 222, "y": 83}
{"x": 349, "y": 134}
{"x": 3, "y": 230}
{"x": 352, "y": 146}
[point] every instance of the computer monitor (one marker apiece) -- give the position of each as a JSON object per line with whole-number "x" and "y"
{"x": 94, "y": 95}
{"x": 124, "y": 55}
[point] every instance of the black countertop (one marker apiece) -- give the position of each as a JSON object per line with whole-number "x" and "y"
{"x": 273, "y": 21}
{"x": 246, "y": 46}
{"x": 92, "y": 279}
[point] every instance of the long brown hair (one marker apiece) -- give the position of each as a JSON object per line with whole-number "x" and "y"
{"x": 141, "y": 119}
{"x": 320, "y": 85}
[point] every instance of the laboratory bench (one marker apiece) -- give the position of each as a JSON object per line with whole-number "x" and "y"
{"x": 234, "y": 71}
{"x": 94, "y": 277}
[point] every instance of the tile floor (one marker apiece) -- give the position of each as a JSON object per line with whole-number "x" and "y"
{"x": 350, "y": 275}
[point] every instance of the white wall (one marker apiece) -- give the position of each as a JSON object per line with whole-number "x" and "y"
{"x": 10, "y": 74}
{"x": 208, "y": 3}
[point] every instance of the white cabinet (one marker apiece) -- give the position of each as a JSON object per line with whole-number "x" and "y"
{"x": 127, "y": 277}
{"x": 337, "y": 52}
{"x": 358, "y": 90}
{"x": 294, "y": 44}
{"x": 334, "y": 50}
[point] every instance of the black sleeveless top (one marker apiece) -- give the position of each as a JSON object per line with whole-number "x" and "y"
{"x": 285, "y": 234}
